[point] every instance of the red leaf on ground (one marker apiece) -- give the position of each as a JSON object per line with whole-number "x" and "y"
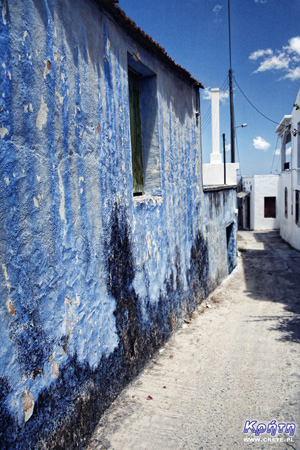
{"x": 164, "y": 387}
{"x": 149, "y": 397}
{"x": 171, "y": 356}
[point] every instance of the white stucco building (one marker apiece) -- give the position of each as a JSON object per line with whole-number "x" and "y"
{"x": 273, "y": 201}
{"x": 289, "y": 187}
{"x": 258, "y": 202}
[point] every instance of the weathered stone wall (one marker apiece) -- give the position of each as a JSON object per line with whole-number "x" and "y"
{"x": 221, "y": 229}
{"x": 93, "y": 280}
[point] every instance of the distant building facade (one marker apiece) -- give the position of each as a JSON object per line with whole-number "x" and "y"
{"x": 258, "y": 202}
{"x": 273, "y": 201}
{"x": 288, "y": 130}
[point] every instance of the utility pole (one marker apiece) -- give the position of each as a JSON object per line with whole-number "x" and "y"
{"x": 232, "y": 136}
{"x": 224, "y": 158}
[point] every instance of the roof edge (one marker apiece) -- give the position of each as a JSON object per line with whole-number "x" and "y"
{"x": 144, "y": 39}
{"x": 286, "y": 120}
{"x": 218, "y": 187}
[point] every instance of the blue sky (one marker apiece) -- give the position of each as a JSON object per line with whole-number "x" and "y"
{"x": 265, "y": 61}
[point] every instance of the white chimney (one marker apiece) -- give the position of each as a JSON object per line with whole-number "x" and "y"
{"x": 215, "y": 156}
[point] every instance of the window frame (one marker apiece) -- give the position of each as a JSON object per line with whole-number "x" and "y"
{"x": 149, "y": 183}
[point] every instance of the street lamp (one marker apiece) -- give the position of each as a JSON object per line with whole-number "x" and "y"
{"x": 242, "y": 126}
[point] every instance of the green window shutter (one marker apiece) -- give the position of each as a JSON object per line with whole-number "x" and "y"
{"x": 135, "y": 132}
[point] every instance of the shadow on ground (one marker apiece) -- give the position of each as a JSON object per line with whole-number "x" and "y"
{"x": 272, "y": 273}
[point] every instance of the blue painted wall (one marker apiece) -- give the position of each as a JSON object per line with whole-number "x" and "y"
{"x": 221, "y": 225}
{"x": 92, "y": 279}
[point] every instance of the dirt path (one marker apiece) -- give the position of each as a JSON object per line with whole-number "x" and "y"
{"x": 237, "y": 360}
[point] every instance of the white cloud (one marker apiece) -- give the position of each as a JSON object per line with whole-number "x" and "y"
{"x": 294, "y": 45}
{"x": 274, "y": 63}
{"x": 260, "y": 1}
{"x": 277, "y": 151}
{"x": 293, "y": 74}
{"x": 207, "y": 94}
{"x": 227, "y": 148}
{"x": 224, "y": 95}
{"x": 260, "y": 53}
{"x": 260, "y": 144}
{"x": 217, "y": 9}
{"x": 285, "y": 60}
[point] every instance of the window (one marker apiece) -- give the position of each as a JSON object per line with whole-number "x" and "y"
{"x": 135, "y": 132}
{"x": 286, "y": 202}
{"x": 270, "y": 207}
{"x": 287, "y": 151}
{"x": 297, "y": 211}
{"x": 143, "y": 129}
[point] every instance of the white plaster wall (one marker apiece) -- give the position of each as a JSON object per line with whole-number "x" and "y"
{"x": 289, "y": 230}
{"x": 265, "y": 186}
{"x": 213, "y": 174}
{"x": 261, "y": 186}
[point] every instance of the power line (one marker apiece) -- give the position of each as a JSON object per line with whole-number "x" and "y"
{"x": 207, "y": 114}
{"x": 256, "y": 109}
{"x": 205, "y": 127}
{"x": 225, "y": 83}
{"x": 205, "y": 122}
{"x": 206, "y": 118}
{"x": 221, "y": 90}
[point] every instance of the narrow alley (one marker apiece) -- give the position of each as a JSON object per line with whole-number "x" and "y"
{"x": 237, "y": 360}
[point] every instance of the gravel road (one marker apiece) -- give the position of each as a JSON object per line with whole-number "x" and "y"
{"x": 237, "y": 360}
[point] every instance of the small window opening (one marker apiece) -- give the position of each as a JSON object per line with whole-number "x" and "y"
{"x": 143, "y": 109}
{"x": 286, "y": 202}
{"x": 287, "y": 151}
{"x": 135, "y": 132}
{"x": 270, "y": 207}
